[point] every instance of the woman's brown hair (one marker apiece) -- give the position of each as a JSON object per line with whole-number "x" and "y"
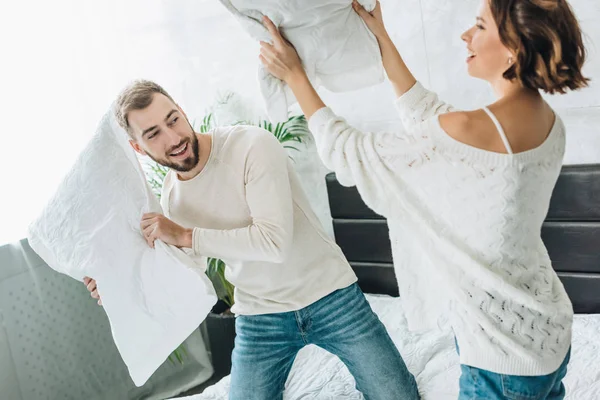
{"x": 547, "y": 40}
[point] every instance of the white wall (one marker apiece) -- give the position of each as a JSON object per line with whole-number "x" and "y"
{"x": 71, "y": 57}
{"x": 427, "y": 32}
{"x": 211, "y": 53}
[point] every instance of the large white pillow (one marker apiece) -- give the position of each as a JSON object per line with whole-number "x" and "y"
{"x": 336, "y": 48}
{"x": 154, "y": 298}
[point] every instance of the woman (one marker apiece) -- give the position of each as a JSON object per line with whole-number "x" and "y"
{"x": 465, "y": 192}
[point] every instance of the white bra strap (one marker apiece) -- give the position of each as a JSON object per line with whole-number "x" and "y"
{"x": 500, "y": 130}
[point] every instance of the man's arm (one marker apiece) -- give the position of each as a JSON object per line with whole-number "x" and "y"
{"x": 269, "y": 198}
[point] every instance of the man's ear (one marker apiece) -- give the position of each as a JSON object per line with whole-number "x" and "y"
{"x": 137, "y": 147}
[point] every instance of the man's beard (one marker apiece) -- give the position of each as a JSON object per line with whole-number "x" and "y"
{"x": 184, "y": 165}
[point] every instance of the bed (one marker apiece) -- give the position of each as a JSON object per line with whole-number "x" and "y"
{"x": 571, "y": 233}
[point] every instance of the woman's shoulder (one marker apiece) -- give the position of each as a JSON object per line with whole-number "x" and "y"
{"x": 474, "y": 128}
{"x": 525, "y": 126}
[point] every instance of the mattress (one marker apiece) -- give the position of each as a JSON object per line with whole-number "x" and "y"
{"x": 430, "y": 356}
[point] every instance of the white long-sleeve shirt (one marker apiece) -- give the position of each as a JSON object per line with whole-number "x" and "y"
{"x": 247, "y": 207}
{"x": 465, "y": 229}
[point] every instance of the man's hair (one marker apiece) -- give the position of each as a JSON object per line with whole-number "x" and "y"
{"x": 136, "y": 96}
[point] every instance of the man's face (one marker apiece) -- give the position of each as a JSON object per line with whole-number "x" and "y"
{"x": 162, "y": 132}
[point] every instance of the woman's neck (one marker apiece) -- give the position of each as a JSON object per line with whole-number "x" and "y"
{"x": 505, "y": 90}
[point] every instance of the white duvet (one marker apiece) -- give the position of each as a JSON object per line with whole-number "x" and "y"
{"x": 432, "y": 357}
{"x": 154, "y": 298}
{"x": 336, "y": 48}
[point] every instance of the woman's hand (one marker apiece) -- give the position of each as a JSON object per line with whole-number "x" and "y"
{"x": 280, "y": 58}
{"x": 374, "y": 19}
{"x": 398, "y": 73}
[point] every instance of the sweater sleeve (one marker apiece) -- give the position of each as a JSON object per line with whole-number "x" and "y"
{"x": 419, "y": 104}
{"x": 373, "y": 162}
{"x": 269, "y": 198}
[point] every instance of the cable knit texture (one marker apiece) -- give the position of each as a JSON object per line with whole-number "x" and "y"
{"x": 465, "y": 229}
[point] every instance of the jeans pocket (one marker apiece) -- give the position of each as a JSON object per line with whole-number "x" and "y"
{"x": 526, "y": 387}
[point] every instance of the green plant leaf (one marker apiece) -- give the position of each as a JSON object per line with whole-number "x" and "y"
{"x": 215, "y": 270}
{"x": 178, "y": 354}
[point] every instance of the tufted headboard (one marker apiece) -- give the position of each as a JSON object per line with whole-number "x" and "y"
{"x": 571, "y": 233}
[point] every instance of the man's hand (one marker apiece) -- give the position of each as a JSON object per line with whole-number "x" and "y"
{"x": 157, "y": 226}
{"x": 90, "y": 285}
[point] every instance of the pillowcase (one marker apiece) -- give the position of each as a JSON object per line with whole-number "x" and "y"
{"x": 154, "y": 298}
{"x": 337, "y": 49}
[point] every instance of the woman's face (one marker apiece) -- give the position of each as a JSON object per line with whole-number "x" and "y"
{"x": 487, "y": 57}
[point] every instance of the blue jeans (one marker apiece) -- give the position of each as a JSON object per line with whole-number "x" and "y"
{"x": 341, "y": 323}
{"x": 478, "y": 383}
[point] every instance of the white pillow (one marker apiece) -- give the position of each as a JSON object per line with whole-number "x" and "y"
{"x": 337, "y": 50}
{"x": 154, "y": 298}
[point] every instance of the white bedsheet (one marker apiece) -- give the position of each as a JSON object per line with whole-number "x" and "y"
{"x": 317, "y": 374}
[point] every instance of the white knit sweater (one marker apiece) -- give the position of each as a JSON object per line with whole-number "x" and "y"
{"x": 465, "y": 231}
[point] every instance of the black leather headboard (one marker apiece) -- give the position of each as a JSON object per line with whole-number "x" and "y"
{"x": 571, "y": 234}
